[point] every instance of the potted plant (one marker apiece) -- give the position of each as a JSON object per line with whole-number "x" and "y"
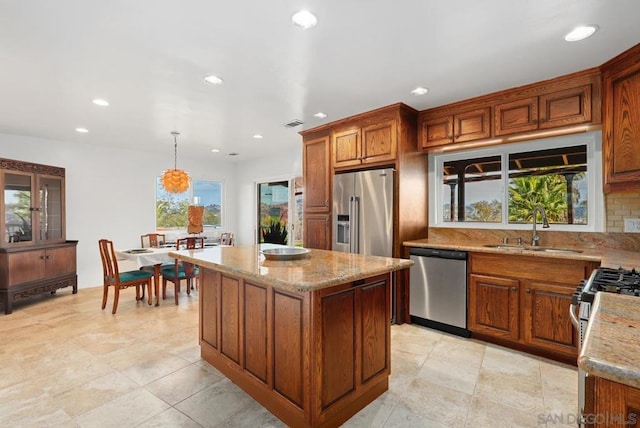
{"x": 275, "y": 232}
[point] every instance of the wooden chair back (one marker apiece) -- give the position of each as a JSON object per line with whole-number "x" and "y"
{"x": 226, "y": 238}
{"x": 112, "y": 277}
{"x": 152, "y": 240}
{"x": 110, "y": 272}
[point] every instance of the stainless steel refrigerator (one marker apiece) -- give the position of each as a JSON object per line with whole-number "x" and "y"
{"x": 363, "y": 212}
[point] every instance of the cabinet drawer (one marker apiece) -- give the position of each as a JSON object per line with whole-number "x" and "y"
{"x": 528, "y": 267}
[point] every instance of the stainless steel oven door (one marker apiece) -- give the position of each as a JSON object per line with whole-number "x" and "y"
{"x": 580, "y": 325}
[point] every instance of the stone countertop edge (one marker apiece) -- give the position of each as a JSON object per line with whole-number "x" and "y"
{"x": 611, "y": 347}
{"x": 319, "y": 269}
{"x": 605, "y": 256}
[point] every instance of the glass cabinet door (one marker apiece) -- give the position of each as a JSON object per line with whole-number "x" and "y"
{"x": 18, "y": 212}
{"x": 49, "y": 215}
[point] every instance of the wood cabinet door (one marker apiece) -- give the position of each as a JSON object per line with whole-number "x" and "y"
{"x": 472, "y": 125}
{"x": 346, "y": 148}
{"x": 60, "y": 261}
{"x": 379, "y": 142}
{"x": 317, "y": 231}
{"x": 436, "y": 132}
{"x": 375, "y": 304}
{"x": 317, "y": 175}
{"x": 208, "y": 300}
{"x": 546, "y": 320}
{"x": 493, "y": 306}
{"x": 622, "y": 129}
{"x": 26, "y": 266}
{"x": 567, "y": 107}
{"x": 516, "y": 116}
{"x": 615, "y": 405}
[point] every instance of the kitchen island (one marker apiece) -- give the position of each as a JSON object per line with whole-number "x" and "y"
{"x": 611, "y": 357}
{"x": 309, "y": 339}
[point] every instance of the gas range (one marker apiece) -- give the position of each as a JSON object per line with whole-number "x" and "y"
{"x": 610, "y": 280}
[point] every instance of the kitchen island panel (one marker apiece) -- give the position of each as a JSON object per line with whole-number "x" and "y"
{"x": 289, "y": 364}
{"x": 256, "y": 330}
{"x": 209, "y": 308}
{"x": 230, "y": 321}
{"x": 338, "y": 346}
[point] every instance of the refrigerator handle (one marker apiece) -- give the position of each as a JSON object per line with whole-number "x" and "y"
{"x": 354, "y": 225}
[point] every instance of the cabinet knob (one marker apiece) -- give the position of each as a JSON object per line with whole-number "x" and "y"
{"x": 514, "y": 288}
{"x": 528, "y": 291}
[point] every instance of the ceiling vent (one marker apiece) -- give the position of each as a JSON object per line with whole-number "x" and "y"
{"x": 293, "y": 123}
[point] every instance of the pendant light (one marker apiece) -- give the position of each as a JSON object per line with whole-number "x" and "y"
{"x": 175, "y": 180}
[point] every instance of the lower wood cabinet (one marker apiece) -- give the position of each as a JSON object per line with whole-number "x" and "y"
{"x": 614, "y": 405}
{"x": 493, "y": 306}
{"x": 29, "y": 271}
{"x": 524, "y": 301}
{"x": 317, "y": 231}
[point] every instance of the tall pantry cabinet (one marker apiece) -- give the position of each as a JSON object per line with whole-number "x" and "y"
{"x": 35, "y": 256}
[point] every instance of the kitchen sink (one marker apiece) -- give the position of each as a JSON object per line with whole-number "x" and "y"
{"x": 505, "y": 246}
{"x": 555, "y": 250}
{"x": 531, "y": 248}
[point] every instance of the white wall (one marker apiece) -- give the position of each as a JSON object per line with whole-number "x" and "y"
{"x": 110, "y": 193}
{"x": 283, "y": 166}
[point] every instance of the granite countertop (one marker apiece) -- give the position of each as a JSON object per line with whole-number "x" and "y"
{"x": 610, "y": 347}
{"x": 605, "y": 256}
{"x": 319, "y": 269}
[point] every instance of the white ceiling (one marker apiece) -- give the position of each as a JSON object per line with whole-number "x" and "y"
{"x": 148, "y": 59}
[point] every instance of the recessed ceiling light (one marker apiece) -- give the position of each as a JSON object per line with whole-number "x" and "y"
{"x": 257, "y": 136}
{"x": 304, "y": 19}
{"x": 580, "y": 33}
{"x": 419, "y": 91}
{"x": 82, "y": 130}
{"x": 215, "y": 150}
{"x": 100, "y": 102}
{"x": 214, "y": 80}
{"x": 320, "y": 115}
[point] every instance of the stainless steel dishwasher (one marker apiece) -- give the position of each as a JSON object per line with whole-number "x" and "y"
{"x": 438, "y": 290}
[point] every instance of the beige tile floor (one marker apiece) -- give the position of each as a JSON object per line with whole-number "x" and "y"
{"x": 67, "y": 363}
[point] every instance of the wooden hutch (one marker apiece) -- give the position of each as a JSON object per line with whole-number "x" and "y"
{"x": 35, "y": 256}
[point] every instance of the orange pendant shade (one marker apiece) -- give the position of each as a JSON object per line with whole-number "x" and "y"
{"x": 175, "y": 181}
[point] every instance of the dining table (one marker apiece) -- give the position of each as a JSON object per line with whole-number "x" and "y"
{"x": 154, "y": 256}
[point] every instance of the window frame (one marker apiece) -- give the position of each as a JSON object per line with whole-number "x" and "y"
{"x": 206, "y": 228}
{"x": 595, "y": 195}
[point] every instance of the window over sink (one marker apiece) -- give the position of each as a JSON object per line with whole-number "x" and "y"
{"x": 498, "y": 187}
{"x": 171, "y": 208}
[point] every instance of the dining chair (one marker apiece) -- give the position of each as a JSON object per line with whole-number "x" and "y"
{"x": 226, "y": 238}
{"x": 112, "y": 277}
{"x": 152, "y": 240}
{"x": 182, "y": 270}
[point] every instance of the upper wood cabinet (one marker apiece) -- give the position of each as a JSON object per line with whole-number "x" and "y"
{"x": 621, "y": 125}
{"x": 369, "y": 144}
{"x": 553, "y": 104}
{"x": 467, "y": 126}
{"x": 550, "y": 110}
{"x": 317, "y": 174}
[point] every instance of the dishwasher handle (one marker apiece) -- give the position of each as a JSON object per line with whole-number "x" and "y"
{"x": 437, "y": 252}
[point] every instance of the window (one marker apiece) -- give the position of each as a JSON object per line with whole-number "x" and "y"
{"x": 499, "y": 187}
{"x": 171, "y": 208}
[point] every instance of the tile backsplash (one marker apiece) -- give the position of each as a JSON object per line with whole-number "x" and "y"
{"x": 620, "y": 241}
{"x": 620, "y": 206}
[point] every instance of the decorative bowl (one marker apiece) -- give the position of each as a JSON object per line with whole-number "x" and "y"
{"x": 285, "y": 253}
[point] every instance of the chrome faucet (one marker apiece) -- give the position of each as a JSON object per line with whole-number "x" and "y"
{"x": 545, "y": 224}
